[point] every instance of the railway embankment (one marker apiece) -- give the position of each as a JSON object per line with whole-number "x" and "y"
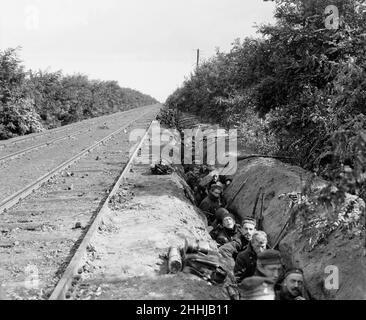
{"x": 325, "y": 238}
{"x": 128, "y": 256}
{"x": 43, "y": 224}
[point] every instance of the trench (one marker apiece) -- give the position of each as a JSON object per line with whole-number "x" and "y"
{"x": 329, "y": 247}
{"x": 129, "y": 257}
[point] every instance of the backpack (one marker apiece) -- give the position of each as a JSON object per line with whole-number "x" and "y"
{"x": 207, "y": 267}
{"x": 161, "y": 169}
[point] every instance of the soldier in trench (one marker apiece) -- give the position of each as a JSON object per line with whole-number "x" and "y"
{"x": 226, "y": 229}
{"x": 248, "y": 229}
{"x": 219, "y": 214}
{"x": 269, "y": 264}
{"x": 212, "y": 202}
{"x": 292, "y": 286}
{"x": 240, "y": 242}
{"x": 246, "y": 261}
{"x": 257, "y": 288}
{"x": 267, "y": 272}
{"x": 215, "y": 180}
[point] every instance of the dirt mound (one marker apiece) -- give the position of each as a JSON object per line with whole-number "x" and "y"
{"x": 150, "y": 213}
{"x": 323, "y": 250}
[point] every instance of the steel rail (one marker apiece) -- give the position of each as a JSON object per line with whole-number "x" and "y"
{"x": 21, "y": 194}
{"x": 63, "y": 285}
{"x": 60, "y": 129}
{"x": 41, "y": 145}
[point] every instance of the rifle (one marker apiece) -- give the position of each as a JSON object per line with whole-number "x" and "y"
{"x": 280, "y": 235}
{"x": 261, "y": 218}
{"x": 236, "y": 193}
{"x": 256, "y": 202}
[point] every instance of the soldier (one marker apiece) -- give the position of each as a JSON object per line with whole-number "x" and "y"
{"x": 227, "y": 230}
{"x": 292, "y": 286}
{"x": 257, "y": 288}
{"x": 211, "y": 203}
{"x": 246, "y": 261}
{"x": 268, "y": 269}
{"x": 219, "y": 214}
{"x": 269, "y": 264}
{"x": 215, "y": 180}
{"x": 248, "y": 229}
{"x": 240, "y": 242}
{"x": 198, "y": 195}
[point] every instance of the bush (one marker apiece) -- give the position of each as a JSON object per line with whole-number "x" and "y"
{"x": 31, "y": 100}
{"x": 253, "y": 131}
{"x": 167, "y": 117}
{"x": 291, "y": 91}
{"x": 19, "y": 118}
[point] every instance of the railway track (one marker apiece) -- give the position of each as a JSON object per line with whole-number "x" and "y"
{"x": 186, "y": 120}
{"x": 38, "y": 146}
{"x": 13, "y": 151}
{"x": 22, "y": 170}
{"x": 64, "y": 285}
{"x": 43, "y": 224}
{"x": 35, "y": 136}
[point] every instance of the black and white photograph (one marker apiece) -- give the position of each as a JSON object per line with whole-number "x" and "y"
{"x": 183, "y": 155}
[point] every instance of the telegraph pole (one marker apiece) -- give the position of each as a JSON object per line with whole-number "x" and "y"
{"x": 198, "y": 57}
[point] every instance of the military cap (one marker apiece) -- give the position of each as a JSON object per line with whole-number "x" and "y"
{"x": 293, "y": 270}
{"x": 249, "y": 220}
{"x": 227, "y": 214}
{"x": 220, "y": 212}
{"x": 269, "y": 256}
{"x": 256, "y": 288}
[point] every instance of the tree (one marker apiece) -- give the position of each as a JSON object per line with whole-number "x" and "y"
{"x": 12, "y": 76}
{"x": 304, "y": 78}
{"x": 31, "y": 100}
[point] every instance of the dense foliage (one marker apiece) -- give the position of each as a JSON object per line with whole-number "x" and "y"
{"x": 31, "y": 101}
{"x": 299, "y": 90}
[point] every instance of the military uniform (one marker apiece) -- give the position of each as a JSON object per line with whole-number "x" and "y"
{"x": 210, "y": 204}
{"x": 256, "y": 288}
{"x": 219, "y": 215}
{"x": 223, "y": 235}
{"x": 245, "y": 264}
{"x": 238, "y": 244}
{"x": 283, "y": 294}
{"x": 231, "y": 249}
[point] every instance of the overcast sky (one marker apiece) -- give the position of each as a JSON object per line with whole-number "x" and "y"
{"x": 148, "y": 45}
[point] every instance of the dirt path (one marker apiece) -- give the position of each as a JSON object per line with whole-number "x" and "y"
{"x": 127, "y": 259}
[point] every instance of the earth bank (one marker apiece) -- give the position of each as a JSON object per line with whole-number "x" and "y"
{"x": 128, "y": 261}
{"x": 127, "y": 258}
{"x": 311, "y": 241}
{"x": 328, "y": 243}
